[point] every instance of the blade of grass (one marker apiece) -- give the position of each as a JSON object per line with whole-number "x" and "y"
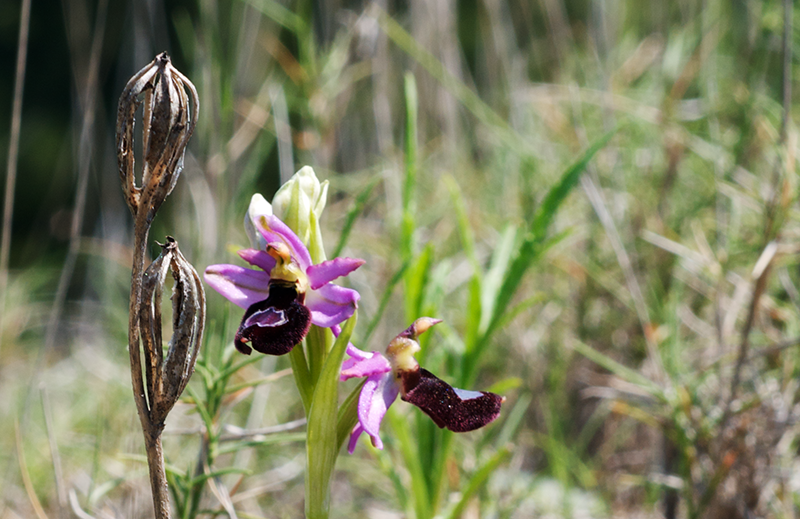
{"x": 279, "y": 14}
{"x": 419, "y": 489}
{"x": 302, "y": 376}
{"x": 348, "y": 415}
{"x": 618, "y": 369}
{"x": 13, "y": 152}
{"x": 410, "y": 181}
{"x": 531, "y": 248}
{"x": 387, "y": 294}
{"x": 354, "y": 212}
{"x": 26, "y": 477}
{"x": 435, "y": 68}
{"x": 478, "y": 480}
{"x": 416, "y": 279}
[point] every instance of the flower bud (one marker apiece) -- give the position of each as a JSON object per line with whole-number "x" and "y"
{"x": 167, "y": 126}
{"x": 167, "y": 376}
{"x": 299, "y": 203}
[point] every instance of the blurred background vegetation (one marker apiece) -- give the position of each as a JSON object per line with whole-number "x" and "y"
{"x": 648, "y": 348}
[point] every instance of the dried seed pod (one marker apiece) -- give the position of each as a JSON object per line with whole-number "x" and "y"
{"x": 167, "y": 126}
{"x": 167, "y": 376}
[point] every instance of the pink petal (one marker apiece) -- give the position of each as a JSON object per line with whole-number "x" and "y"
{"x": 258, "y": 258}
{"x": 331, "y": 304}
{"x": 327, "y": 271}
{"x": 376, "y": 396}
{"x": 377, "y": 364}
{"x": 277, "y": 231}
{"x": 242, "y": 287}
{"x": 357, "y": 430}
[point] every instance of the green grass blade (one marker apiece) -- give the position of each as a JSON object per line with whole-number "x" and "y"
{"x": 355, "y": 211}
{"x": 493, "y": 281}
{"x": 410, "y": 180}
{"x": 618, "y": 369}
{"x": 348, "y": 415}
{"x": 281, "y": 15}
{"x": 478, "y": 480}
{"x": 558, "y": 193}
{"x": 322, "y": 444}
{"x": 435, "y": 68}
{"x": 416, "y": 281}
{"x": 302, "y": 376}
{"x": 531, "y": 247}
{"x": 387, "y": 294}
{"x": 419, "y": 488}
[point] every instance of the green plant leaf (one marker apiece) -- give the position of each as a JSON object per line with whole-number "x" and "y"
{"x": 322, "y": 444}
{"x": 619, "y": 370}
{"x": 302, "y": 377}
{"x": 354, "y": 212}
{"x": 478, "y": 479}
{"x": 387, "y": 294}
{"x": 348, "y": 414}
{"x": 419, "y": 488}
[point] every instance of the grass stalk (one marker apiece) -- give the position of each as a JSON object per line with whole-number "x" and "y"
{"x": 13, "y": 154}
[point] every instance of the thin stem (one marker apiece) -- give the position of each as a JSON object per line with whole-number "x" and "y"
{"x": 152, "y": 431}
{"x": 13, "y": 150}
{"x": 84, "y": 160}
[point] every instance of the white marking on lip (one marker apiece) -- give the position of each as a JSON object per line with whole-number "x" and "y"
{"x": 463, "y": 394}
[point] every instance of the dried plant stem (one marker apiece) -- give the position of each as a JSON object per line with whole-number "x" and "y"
{"x": 13, "y": 150}
{"x": 152, "y": 431}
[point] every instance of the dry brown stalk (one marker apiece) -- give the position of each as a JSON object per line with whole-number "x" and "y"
{"x": 167, "y": 125}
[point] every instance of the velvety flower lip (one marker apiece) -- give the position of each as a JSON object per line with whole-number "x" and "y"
{"x": 288, "y": 292}
{"x": 398, "y": 373}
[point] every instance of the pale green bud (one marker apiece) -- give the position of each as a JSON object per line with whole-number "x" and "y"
{"x": 299, "y": 203}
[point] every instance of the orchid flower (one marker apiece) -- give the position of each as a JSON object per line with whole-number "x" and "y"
{"x": 398, "y": 372}
{"x": 289, "y": 293}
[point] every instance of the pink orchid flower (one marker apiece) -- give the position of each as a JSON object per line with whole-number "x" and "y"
{"x": 398, "y": 373}
{"x": 288, "y": 293}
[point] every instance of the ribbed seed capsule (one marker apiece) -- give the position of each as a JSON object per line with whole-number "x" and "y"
{"x": 168, "y": 375}
{"x": 167, "y": 125}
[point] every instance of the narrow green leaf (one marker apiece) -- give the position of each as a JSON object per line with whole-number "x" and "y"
{"x": 318, "y": 342}
{"x": 464, "y": 228}
{"x": 390, "y": 468}
{"x": 534, "y": 244}
{"x": 387, "y": 294}
{"x": 478, "y": 480}
{"x": 322, "y": 445}
{"x": 239, "y": 365}
{"x": 348, "y": 415}
{"x": 493, "y": 281}
{"x": 202, "y": 409}
{"x": 416, "y": 280}
{"x": 268, "y": 439}
{"x": 505, "y": 385}
{"x": 419, "y": 489}
{"x": 201, "y": 478}
{"x": 474, "y": 313}
{"x": 355, "y": 211}
{"x": 302, "y": 377}
{"x": 569, "y": 179}
{"x": 278, "y": 13}
{"x": 452, "y": 84}
{"x": 618, "y": 369}
{"x": 513, "y": 419}
{"x": 410, "y": 180}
